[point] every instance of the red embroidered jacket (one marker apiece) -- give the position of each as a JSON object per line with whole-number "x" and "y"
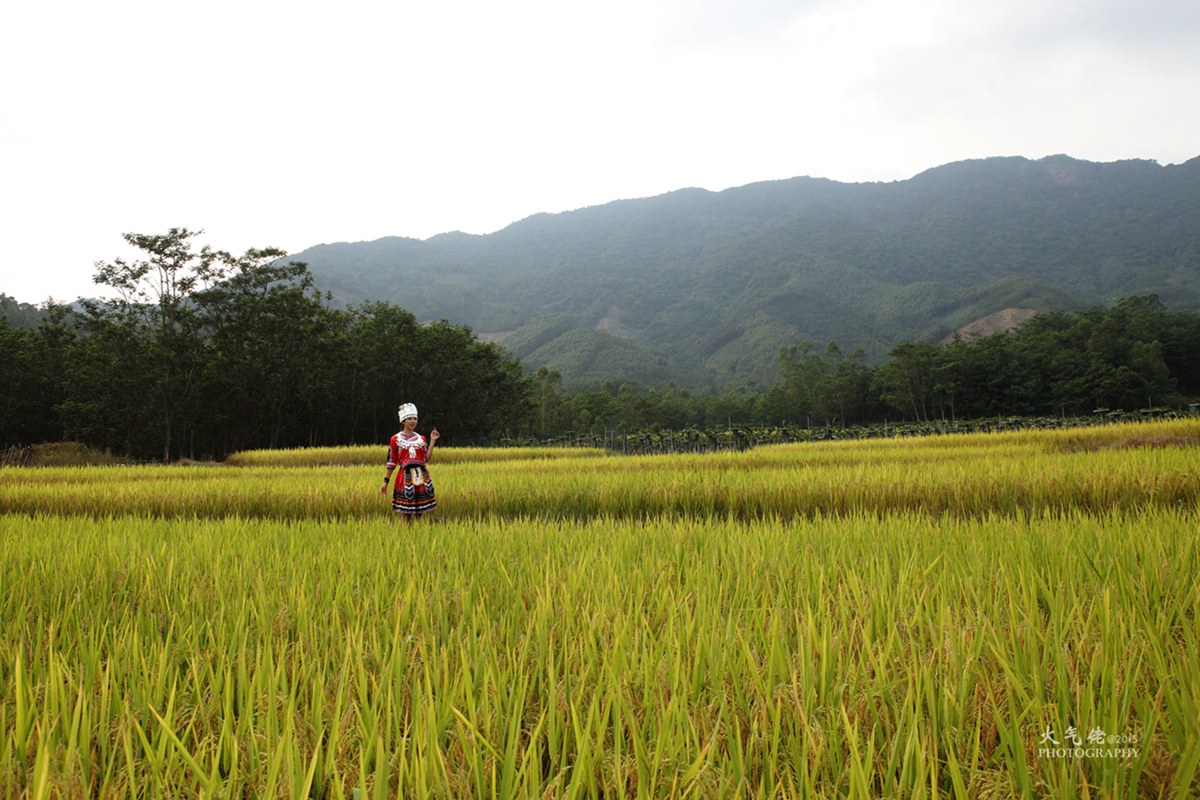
{"x": 405, "y": 450}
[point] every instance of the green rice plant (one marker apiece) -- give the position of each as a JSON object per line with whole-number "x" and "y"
{"x": 893, "y": 618}
{"x": 855, "y": 655}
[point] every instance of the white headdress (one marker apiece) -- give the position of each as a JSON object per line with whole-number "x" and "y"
{"x": 407, "y": 410}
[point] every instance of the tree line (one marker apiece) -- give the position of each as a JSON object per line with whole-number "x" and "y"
{"x": 202, "y": 353}
{"x": 1134, "y": 355}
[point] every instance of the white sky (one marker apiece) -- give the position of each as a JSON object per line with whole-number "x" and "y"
{"x": 289, "y": 124}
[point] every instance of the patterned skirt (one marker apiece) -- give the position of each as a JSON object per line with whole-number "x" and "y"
{"x": 413, "y": 492}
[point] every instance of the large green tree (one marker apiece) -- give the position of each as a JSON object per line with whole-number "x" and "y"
{"x": 153, "y": 293}
{"x": 380, "y": 368}
{"x": 907, "y": 381}
{"x": 264, "y": 325}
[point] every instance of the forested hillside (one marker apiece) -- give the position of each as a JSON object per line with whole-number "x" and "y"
{"x": 204, "y": 353}
{"x": 703, "y": 288}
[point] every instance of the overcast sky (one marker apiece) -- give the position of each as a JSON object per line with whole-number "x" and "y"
{"x": 290, "y": 124}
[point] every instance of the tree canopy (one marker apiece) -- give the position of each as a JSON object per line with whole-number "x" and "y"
{"x": 203, "y": 353}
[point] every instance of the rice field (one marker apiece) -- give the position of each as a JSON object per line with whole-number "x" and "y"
{"x": 357, "y": 455}
{"x": 1127, "y": 467}
{"x": 1004, "y": 615}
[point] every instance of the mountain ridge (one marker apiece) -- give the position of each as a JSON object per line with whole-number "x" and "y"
{"x": 714, "y": 283}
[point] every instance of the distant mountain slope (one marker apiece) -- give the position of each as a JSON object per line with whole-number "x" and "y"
{"x": 714, "y": 283}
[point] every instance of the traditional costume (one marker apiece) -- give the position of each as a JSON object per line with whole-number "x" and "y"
{"x": 413, "y": 490}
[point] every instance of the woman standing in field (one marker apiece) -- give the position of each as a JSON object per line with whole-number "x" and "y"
{"x": 413, "y": 493}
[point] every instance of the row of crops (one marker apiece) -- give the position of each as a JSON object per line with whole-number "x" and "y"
{"x": 655, "y": 440}
{"x": 916, "y": 617}
{"x": 1098, "y": 470}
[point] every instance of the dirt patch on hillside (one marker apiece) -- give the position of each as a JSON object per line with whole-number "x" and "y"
{"x": 611, "y": 324}
{"x": 1004, "y": 320}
